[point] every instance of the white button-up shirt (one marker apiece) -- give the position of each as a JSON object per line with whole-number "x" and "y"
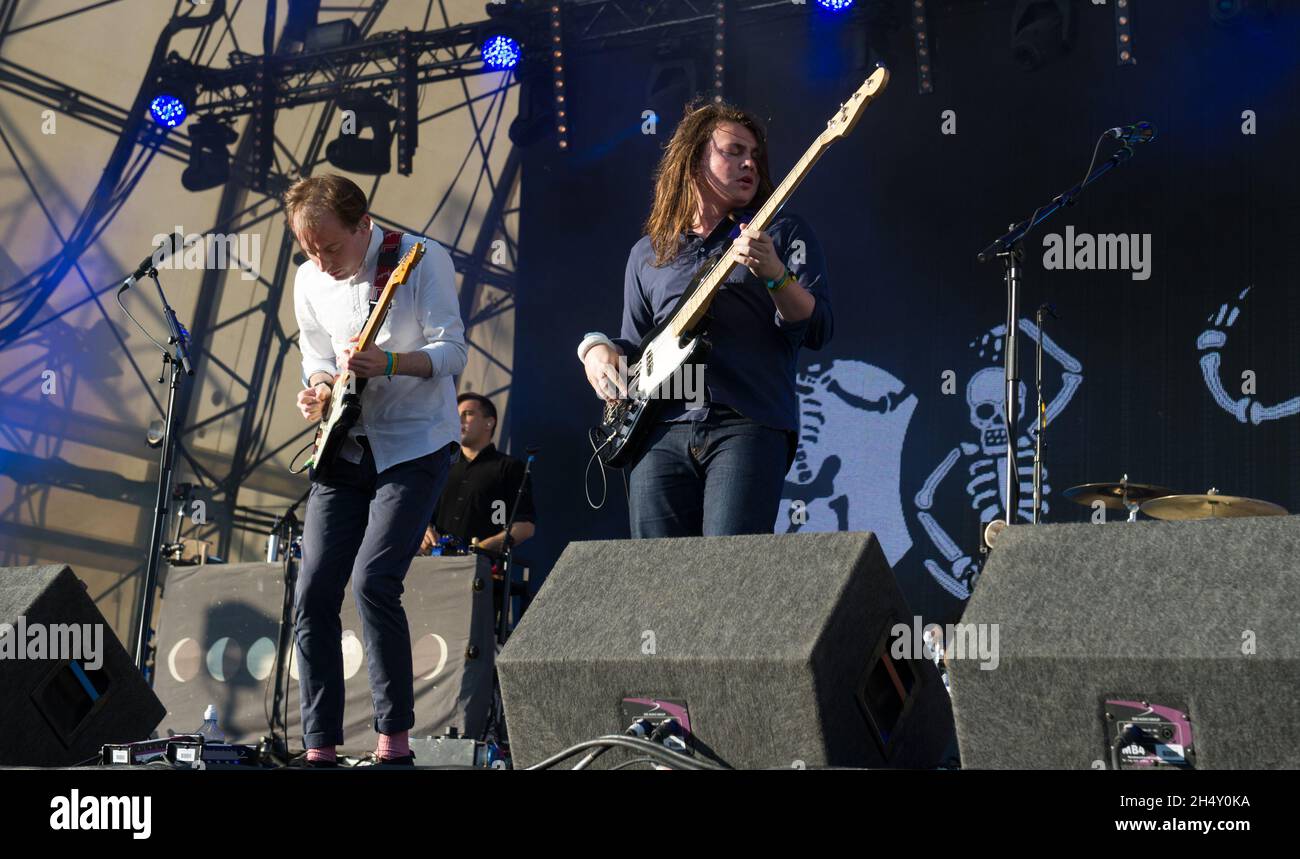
{"x": 404, "y": 417}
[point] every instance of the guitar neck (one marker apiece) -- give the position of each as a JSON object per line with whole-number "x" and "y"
{"x": 371, "y": 329}
{"x": 398, "y": 277}
{"x": 690, "y": 313}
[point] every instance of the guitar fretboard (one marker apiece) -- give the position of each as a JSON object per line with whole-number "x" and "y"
{"x": 692, "y": 310}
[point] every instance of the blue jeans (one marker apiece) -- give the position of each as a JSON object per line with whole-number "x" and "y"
{"x": 713, "y": 477}
{"x": 366, "y": 527}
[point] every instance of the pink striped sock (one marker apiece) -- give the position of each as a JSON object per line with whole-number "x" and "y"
{"x": 327, "y": 753}
{"x": 394, "y": 745}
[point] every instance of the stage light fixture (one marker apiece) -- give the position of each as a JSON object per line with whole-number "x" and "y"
{"x": 921, "y": 35}
{"x": 1041, "y": 31}
{"x": 560, "y": 108}
{"x": 331, "y": 34}
{"x": 371, "y": 156}
{"x": 168, "y": 110}
{"x": 835, "y": 5}
{"x": 173, "y": 93}
{"x": 719, "y": 50}
{"x": 209, "y": 165}
{"x": 500, "y": 52}
{"x": 1124, "y": 33}
{"x": 535, "y": 119}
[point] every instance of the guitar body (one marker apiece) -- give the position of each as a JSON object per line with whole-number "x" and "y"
{"x": 344, "y": 413}
{"x": 662, "y": 357}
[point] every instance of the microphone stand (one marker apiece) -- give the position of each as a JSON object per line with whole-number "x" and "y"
{"x": 1042, "y": 419}
{"x": 287, "y": 525}
{"x": 180, "y": 339}
{"x": 1007, "y": 248}
{"x": 497, "y": 718}
{"x": 508, "y": 554}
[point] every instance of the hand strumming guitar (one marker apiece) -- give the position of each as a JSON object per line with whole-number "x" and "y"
{"x": 602, "y": 365}
{"x": 313, "y": 401}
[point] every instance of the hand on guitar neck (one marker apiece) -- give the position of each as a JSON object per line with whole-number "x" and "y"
{"x": 366, "y": 363}
{"x": 372, "y": 361}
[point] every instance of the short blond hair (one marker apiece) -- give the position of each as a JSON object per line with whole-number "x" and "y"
{"x": 307, "y": 199}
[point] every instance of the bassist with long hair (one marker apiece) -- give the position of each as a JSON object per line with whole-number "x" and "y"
{"x": 716, "y": 465}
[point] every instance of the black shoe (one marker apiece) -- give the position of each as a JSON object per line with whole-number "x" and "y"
{"x": 301, "y": 762}
{"x": 370, "y": 759}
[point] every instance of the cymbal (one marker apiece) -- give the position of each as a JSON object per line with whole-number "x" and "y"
{"x": 1113, "y": 494}
{"x": 1209, "y": 506}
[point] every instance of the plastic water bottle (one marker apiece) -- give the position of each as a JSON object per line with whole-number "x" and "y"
{"x": 210, "y": 730}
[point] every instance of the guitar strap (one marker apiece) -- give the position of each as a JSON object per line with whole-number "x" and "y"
{"x": 384, "y": 266}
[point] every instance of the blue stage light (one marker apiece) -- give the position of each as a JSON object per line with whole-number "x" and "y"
{"x": 835, "y": 5}
{"x": 500, "y": 52}
{"x": 167, "y": 110}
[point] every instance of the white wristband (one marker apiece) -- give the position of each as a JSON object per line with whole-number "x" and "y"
{"x": 595, "y": 338}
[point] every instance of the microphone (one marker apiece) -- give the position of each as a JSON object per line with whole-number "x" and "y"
{"x": 1140, "y": 132}
{"x": 173, "y": 243}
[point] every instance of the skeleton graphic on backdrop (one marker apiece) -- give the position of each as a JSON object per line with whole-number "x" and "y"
{"x": 1210, "y": 341}
{"x": 986, "y": 459}
{"x": 846, "y": 473}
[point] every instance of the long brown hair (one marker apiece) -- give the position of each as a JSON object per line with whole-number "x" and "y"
{"x": 676, "y": 198}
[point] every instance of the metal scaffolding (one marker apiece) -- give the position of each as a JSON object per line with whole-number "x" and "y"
{"x": 383, "y": 64}
{"x": 390, "y": 65}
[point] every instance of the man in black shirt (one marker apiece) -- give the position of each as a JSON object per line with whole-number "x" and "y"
{"x": 482, "y": 486}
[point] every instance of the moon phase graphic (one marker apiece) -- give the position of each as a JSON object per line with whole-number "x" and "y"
{"x": 261, "y": 658}
{"x": 429, "y": 656}
{"x": 224, "y": 658}
{"x": 184, "y": 659}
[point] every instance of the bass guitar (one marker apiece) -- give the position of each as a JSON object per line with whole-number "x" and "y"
{"x": 680, "y": 339}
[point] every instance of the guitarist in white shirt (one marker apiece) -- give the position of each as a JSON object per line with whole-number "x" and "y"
{"x": 367, "y": 511}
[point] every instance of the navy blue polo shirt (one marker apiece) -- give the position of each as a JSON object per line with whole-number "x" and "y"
{"x": 751, "y": 367}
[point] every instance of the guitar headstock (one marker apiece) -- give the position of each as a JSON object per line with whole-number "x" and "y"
{"x": 847, "y": 116}
{"x": 407, "y": 263}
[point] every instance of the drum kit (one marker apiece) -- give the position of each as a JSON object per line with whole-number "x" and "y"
{"x": 1160, "y": 502}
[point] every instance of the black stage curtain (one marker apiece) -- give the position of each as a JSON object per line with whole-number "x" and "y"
{"x": 1183, "y": 372}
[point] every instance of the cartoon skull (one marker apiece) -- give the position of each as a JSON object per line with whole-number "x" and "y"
{"x": 984, "y": 396}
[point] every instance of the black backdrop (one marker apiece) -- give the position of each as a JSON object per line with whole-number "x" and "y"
{"x": 902, "y": 208}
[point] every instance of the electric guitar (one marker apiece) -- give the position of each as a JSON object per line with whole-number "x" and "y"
{"x": 680, "y": 339}
{"x": 345, "y": 398}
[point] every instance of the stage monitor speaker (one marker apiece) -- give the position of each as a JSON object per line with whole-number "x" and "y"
{"x": 69, "y": 685}
{"x": 774, "y": 649}
{"x": 217, "y": 633}
{"x": 1134, "y": 646}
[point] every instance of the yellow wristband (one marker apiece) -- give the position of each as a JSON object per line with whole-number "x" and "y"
{"x": 775, "y": 286}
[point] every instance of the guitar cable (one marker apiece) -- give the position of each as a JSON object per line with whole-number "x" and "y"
{"x": 595, "y": 457}
{"x": 308, "y": 446}
{"x": 586, "y": 474}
